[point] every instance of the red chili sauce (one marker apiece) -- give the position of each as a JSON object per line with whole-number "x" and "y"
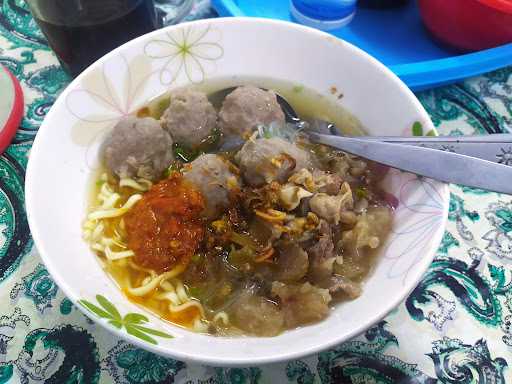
{"x": 165, "y": 227}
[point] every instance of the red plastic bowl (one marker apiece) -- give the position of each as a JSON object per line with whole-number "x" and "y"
{"x": 468, "y": 25}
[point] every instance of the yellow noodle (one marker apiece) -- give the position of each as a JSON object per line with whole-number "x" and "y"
{"x": 147, "y": 288}
{"x": 136, "y": 267}
{"x": 170, "y": 296}
{"x": 107, "y": 241}
{"x": 139, "y": 185}
{"x": 98, "y": 247}
{"x": 96, "y": 233}
{"x": 221, "y": 316}
{"x": 105, "y": 192}
{"x": 111, "y": 255}
{"x": 188, "y": 304}
{"x": 167, "y": 286}
{"x": 111, "y": 201}
{"x": 182, "y": 294}
{"x": 175, "y": 294}
{"x": 115, "y": 212}
{"x": 119, "y": 243}
{"x": 120, "y": 263}
{"x": 200, "y": 326}
{"x": 89, "y": 224}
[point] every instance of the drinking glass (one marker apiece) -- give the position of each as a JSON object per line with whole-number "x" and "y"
{"x": 173, "y": 11}
{"x": 81, "y": 31}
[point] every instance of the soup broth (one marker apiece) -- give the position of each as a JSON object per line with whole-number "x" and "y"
{"x": 237, "y": 244}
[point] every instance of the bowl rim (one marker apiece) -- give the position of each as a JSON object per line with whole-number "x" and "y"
{"x": 500, "y": 5}
{"x": 209, "y": 358}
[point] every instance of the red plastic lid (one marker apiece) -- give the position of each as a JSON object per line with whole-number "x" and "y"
{"x": 11, "y": 107}
{"x": 502, "y": 5}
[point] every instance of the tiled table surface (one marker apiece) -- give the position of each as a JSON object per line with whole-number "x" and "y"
{"x": 456, "y": 327}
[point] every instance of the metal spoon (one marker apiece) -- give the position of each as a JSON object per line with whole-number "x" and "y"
{"x": 444, "y": 166}
{"x": 496, "y": 148}
{"x": 416, "y": 158}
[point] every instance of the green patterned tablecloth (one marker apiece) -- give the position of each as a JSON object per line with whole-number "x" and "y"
{"x": 456, "y": 327}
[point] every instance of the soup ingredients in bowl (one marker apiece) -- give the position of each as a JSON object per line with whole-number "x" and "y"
{"x": 254, "y": 240}
{"x": 138, "y": 148}
{"x": 247, "y": 107}
{"x": 190, "y": 118}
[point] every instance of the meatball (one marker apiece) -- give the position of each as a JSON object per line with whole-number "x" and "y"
{"x": 215, "y": 178}
{"x": 265, "y": 160}
{"x": 138, "y": 148}
{"x": 247, "y": 107}
{"x": 190, "y": 117}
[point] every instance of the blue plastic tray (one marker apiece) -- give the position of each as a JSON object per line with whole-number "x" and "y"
{"x": 395, "y": 37}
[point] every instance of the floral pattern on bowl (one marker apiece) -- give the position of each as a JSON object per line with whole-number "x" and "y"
{"x": 190, "y": 51}
{"x": 133, "y": 323}
{"x": 418, "y": 214}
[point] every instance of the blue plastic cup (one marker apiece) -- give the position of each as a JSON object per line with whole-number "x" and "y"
{"x": 323, "y": 14}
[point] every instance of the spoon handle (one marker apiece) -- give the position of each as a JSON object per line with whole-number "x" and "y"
{"x": 495, "y": 152}
{"x": 504, "y": 138}
{"x": 440, "y": 165}
{"x": 496, "y": 147}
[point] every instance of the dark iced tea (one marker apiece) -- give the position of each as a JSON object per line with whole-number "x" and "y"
{"x": 81, "y": 31}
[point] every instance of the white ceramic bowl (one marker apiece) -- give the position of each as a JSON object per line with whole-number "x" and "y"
{"x": 65, "y": 153}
